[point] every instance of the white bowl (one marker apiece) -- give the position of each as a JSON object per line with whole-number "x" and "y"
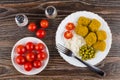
{"x": 73, "y": 18}
{"x": 21, "y": 68}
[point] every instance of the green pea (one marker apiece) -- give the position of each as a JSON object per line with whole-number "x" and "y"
{"x": 92, "y": 51}
{"x": 80, "y": 51}
{"x": 80, "y": 54}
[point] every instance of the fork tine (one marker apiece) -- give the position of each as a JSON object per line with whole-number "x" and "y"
{"x": 63, "y": 51}
{"x": 61, "y": 48}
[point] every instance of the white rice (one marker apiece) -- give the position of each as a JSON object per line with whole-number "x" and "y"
{"x": 74, "y": 43}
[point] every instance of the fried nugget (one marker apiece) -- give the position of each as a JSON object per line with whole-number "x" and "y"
{"x": 100, "y": 45}
{"x": 91, "y": 38}
{"x": 81, "y": 30}
{"x": 94, "y": 25}
{"x": 101, "y": 34}
{"x": 84, "y": 21}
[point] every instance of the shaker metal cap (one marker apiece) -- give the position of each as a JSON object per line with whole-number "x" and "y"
{"x": 21, "y": 20}
{"x": 51, "y": 12}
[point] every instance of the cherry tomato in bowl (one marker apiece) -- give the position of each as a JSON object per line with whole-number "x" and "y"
{"x": 37, "y": 64}
{"x": 24, "y": 66}
{"x": 30, "y": 56}
{"x": 20, "y": 59}
{"x": 39, "y": 47}
{"x": 20, "y": 49}
{"x": 28, "y": 66}
{"x": 29, "y": 46}
{"x": 41, "y": 56}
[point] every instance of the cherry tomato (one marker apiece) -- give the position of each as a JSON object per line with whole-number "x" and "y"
{"x": 44, "y": 23}
{"x": 41, "y": 56}
{"x": 37, "y": 64}
{"x": 68, "y": 34}
{"x": 30, "y": 46}
{"x": 30, "y": 56}
{"x": 28, "y": 66}
{"x": 32, "y": 27}
{"x": 20, "y": 60}
{"x": 39, "y": 47}
{"x": 20, "y": 49}
{"x": 41, "y": 33}
{"x": 70, "y": 26}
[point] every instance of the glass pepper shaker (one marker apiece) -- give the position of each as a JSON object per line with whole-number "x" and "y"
{"x": 21, "y": 20}
{"x": 51, "y": 12}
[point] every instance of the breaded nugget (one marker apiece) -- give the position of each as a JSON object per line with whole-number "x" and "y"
{"x": 101, "y": 34}
{"x": 81, "y": 30}
{"x": 94, "y": 25}
{"x": 84, "y": 21}
{"x": 91, "y": 38}
{"x": 100, "y": 45}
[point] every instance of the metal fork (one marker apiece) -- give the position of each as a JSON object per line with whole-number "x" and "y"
{"x": 69, "y": 53}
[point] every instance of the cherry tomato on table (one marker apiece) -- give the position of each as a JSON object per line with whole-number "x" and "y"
{"x": 44, "y": 23}
{"x": 20, "y": 49}
{"x": 70, "y": 26}
{"x": 41, "y": 33}
{"x": 37, "y": 64}
{"x": 68, "y": 34}
{"x": 20, "y": 59}
{"x": 28, "y": 66}
{"x": 30, "y": 46}
{"x": 30, "y": 56}
{"x": 32, "y": 27}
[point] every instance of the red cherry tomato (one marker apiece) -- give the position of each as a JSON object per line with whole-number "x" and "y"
{"x": 30, "y": 56}
{"x": 20, "y": 60}
{"x": 41, "y": 33}
{"x": 20, "y": 49}
{"x": 68, "y": 34}
{"x": 70, "y": 26}
{"x": 41, "y": 56}
{"x": 30, "y": 46}
{"x": 28, "y": 66}
{"x": 37, "y": 64}
{"x": 39, "y": 47}
{"x": 44, "y": 23}
{"x": 32, "y": 27}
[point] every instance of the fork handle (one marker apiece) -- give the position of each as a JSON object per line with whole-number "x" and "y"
{"x": 92, "y": 68}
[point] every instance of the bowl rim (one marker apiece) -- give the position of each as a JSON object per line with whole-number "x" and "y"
{"x": 29, "y": 72}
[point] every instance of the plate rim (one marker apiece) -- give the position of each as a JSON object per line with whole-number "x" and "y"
{"x": 90, "y": 13}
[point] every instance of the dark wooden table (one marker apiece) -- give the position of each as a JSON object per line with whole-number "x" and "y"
{"x": 57, "y": 68}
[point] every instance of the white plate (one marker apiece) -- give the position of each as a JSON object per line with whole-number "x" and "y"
{"x": 73, "y": 18}
{"x": 21, "y": 68}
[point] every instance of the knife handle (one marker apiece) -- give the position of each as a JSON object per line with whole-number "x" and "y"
{"x": 92, "y": 68}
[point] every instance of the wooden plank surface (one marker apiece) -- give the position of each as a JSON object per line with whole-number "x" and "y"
{"x": 57, "y": 68}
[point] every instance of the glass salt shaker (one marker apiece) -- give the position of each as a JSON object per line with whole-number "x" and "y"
{"x": 21, "y": 20}
{"x": 51, "y": 12}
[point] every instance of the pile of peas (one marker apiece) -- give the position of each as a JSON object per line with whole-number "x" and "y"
{"x": 87, "y": 52}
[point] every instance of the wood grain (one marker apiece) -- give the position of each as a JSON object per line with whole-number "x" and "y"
{"x": 57, "y": 68}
